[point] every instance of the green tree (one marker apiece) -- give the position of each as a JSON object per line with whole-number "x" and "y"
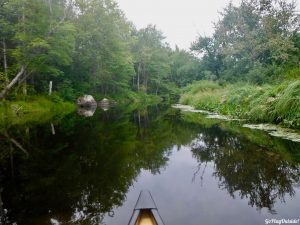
{"x": 102, "y": 58}
{"x": 251, "y": 42}
{"x": 42, "y": 39}
{"x": 156, "y": 64}
{"x": 211, "y": 58}
{"x": 185, "y": 68}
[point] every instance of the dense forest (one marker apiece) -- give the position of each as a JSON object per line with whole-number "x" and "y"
{"x": 85, "y": 47}
{"x": 89, "y": 47}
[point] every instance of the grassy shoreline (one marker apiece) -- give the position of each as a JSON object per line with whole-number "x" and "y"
{"x": 33, "y": 109}
{"x": 277, "y": 104}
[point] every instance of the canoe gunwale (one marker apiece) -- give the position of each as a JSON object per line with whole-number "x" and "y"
{"x": 145, "y": 202}
{"x": 134, "y": 217}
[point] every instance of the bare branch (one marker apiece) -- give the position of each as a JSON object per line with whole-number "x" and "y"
{"x": 13, "y": 82}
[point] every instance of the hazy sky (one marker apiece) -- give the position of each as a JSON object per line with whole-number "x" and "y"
{"x": 179, "y": 20}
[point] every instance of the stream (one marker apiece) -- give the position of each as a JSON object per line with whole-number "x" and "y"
{"x": 90, "y": 170}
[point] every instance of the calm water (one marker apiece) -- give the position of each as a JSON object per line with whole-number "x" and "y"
{"x": 79, "y": 170}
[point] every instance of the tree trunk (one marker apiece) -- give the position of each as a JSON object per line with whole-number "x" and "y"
{"x": 133, "y": 81}
{"x": 24, "y": 81}
{"x": 25, "y": 87}
{"x": 4, "y": 59}
{"x": 138, "y": 76}
{"x": 50, "y": 7}
{"x": 145, "y": 82}
{"x": 52, "y": 129}
{"x": 50, "y": 10}
{"x": 15, "y": 142}
{"x": 145, "y": 79}
{"x": 139, "y": 118}
{"x": 50, "y": 88}
{"x": 13, "y": 82}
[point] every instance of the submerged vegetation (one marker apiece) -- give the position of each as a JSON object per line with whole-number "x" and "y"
{"x": 267, "y": 103}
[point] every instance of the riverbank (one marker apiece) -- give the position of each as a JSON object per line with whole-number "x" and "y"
{"x": 37, "y": 108}
{"x": 277, "y": 104}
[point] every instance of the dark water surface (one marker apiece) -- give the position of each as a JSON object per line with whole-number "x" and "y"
{"x": 80, "y": 170}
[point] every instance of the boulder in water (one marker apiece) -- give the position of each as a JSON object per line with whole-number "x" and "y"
{"x": 104, "y": 101}
{"x": 86, "y": 112}
{"x": 105, "y": 104}
{"x": 86, "y": 101}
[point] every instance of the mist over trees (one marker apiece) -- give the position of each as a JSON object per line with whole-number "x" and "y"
{"x": 83, "y": 47}
{"x": 88, "y": 46}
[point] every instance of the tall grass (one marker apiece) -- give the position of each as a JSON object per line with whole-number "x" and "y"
{"x": 207, "y": 92}
{"x": 288, "y": 104}
{"x": 267, "y": 103}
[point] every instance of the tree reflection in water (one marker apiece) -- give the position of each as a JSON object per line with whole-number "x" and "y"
{"x": 84, "y": 171}
{"x": 245, "y": 169}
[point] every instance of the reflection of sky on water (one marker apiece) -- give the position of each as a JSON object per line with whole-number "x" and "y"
{"x": 184, "y": 200}
{"x": 224, "y": 174}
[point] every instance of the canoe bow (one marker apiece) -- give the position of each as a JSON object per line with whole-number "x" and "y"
{"x": 145, "y": 205}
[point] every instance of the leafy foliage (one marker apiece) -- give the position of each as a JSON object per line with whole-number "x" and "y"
{"x": 252, "y": 42}
{"x": 88, "y": 47}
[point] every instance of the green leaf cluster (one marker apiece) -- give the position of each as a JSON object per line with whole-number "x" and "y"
{"x": 257, "y": 41}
